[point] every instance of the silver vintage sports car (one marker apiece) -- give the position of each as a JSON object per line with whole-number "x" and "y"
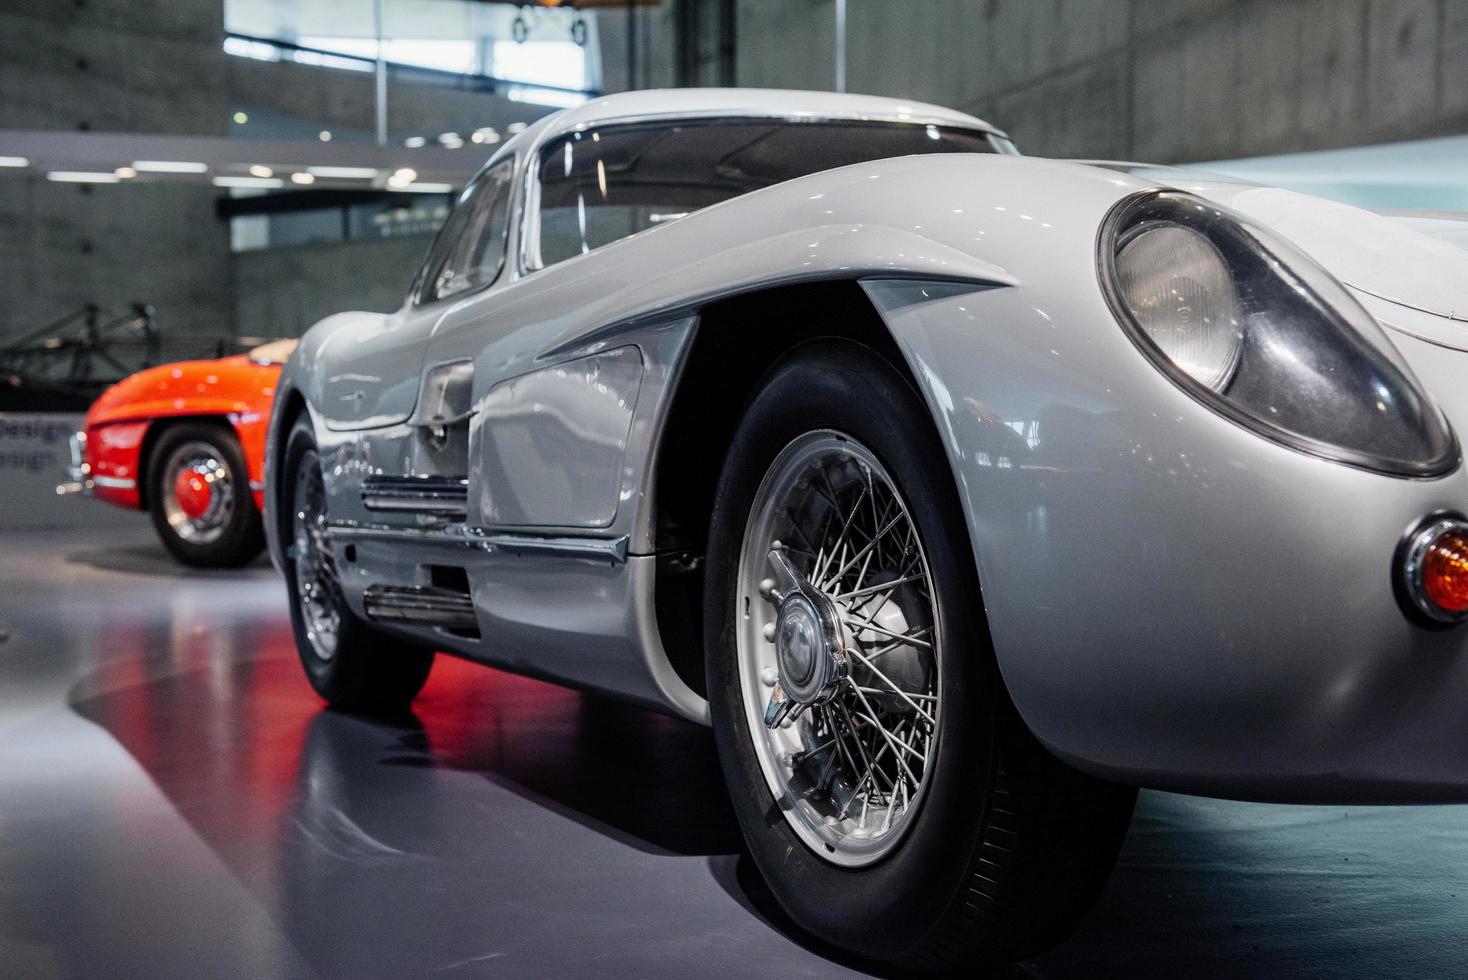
{"x": 960, "y": 492}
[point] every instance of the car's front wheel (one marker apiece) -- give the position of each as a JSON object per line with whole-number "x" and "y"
{"x": 199, "y": 496}
{"x": 351, "y": 665}
{"x": 886, "y": 787}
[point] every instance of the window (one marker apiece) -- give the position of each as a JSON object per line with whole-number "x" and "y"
{"x": 258, "y": 220}
{"x": 556, "y": 64}
{"x": 530, "y": 53}
{"x": 471, "y": 247}
{"x": 602, "y": 185}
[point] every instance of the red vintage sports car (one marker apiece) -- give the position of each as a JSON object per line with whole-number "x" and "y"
{"x": 186, "y": 442}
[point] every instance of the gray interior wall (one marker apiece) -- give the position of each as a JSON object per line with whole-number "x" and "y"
{"x": 646, "y": 56}
{"x": 158, "y": 66}
{"x": 113, "y": 65}
{"x": 1164, "y": 80}
{"x": 324, "y": 279}
{"x": 1159, "y": 80}
{"x": 65, "y": 245}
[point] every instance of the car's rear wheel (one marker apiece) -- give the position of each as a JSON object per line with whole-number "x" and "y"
{"x": 199, "y": 496}
{"x": 886, "y": 787}
{"x": 351, "y": 665}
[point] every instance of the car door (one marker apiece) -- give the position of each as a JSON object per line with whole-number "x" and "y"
{"x": 549, "y": 434}
{"x": 374, "y": 382}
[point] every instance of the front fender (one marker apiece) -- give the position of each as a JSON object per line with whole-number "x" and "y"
{"x": 1173, "y": 600}
{"x": 289, "y": 404}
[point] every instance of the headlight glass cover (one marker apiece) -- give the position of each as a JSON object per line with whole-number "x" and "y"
{"x": 1245, "y": 322}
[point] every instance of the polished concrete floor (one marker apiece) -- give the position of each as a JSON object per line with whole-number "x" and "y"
{"x": 175, "y": 802}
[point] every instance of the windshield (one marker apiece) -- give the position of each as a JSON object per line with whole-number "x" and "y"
{"x": 274, "y": 352}
{"x": 600, "y": 185}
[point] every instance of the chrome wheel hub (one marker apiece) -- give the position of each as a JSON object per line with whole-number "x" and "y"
{"x": 806, "y": 660}
{"x": 838, "y": 648}
{"x": 810, "y": 643}
{"x": 197, "y": 493}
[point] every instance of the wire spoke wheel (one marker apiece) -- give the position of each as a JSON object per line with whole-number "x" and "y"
{"x": 317, "y": 583}
{"x": 838, "y": 647}
{"x": 353, "y": 666}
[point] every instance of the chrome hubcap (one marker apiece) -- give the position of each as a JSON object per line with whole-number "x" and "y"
{"x": 318, "y": 587}
{"x": 802, "y": 649}
{"x": 197, "y": 493}
{"x": 838, "y": 648}
{"x": 810, "y": 642}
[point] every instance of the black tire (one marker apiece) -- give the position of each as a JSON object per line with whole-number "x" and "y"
{"x": 240, "y": 538}
{"x": 366, "y": 670}
{"x": 1011, "y": 846}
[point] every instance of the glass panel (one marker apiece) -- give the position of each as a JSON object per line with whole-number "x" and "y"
{"x": 375, "y": 217}
{"x": 601, "y": 185}
{"x": 525, "y": 44}
{"x": 471, "y": 247}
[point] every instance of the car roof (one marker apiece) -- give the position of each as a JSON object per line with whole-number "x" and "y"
{"x": 688, "y": 103}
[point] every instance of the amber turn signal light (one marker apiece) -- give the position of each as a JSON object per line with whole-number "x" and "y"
{"x": 1435, "y": 570}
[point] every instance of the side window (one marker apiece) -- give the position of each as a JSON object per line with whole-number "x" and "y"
{"x": 470, "y": 249}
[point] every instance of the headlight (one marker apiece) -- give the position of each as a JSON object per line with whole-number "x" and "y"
{"x": 1178, "y": 286}
{"x": 1246, "y": 323}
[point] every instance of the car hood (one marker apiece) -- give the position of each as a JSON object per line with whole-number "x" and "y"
{"x": 226, "y": 384}
{"x": 1374, "y": 254}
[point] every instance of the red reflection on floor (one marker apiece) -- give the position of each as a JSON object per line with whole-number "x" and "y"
{"x": 228, "y": 728}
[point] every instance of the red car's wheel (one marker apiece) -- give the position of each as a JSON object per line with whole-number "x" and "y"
{"x": 198, "y": 494}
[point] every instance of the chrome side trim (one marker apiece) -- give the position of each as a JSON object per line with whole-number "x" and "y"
{"x": 423, "y": 605}
{"x": 449, "y": 534}
{"x": 613, "y": 550}
{"x": 439, "y": 495}
{"x": 114, "y": 482}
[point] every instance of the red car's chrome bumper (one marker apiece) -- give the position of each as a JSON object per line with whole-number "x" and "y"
{"x": 104, "y": 463}
{"x": 78, "y": 470}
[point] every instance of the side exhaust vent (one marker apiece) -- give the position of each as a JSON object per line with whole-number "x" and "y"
{"x": 441, "y": 496}
{"x": 422, "y": 605}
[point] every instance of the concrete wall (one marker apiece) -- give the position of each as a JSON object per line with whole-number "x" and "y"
{"x": 65, "y": 245}
{"x": 113, "y": 65}
{"x": 1166, "y": 80}
{"x": 1160, "y": 80}
{"x": 158, "y": 66}
{"x": 279, "y": 292}
{"x": 647, "y": 57}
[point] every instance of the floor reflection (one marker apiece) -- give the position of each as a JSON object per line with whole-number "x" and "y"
{"x": 387, "y": 844}
{"x": 513, "y": 828}
{"x": 450, "y": 836}
{"x": 650, "y": 780}
{"x": 647, "y": 780}
{"x": 151, "y": 560}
